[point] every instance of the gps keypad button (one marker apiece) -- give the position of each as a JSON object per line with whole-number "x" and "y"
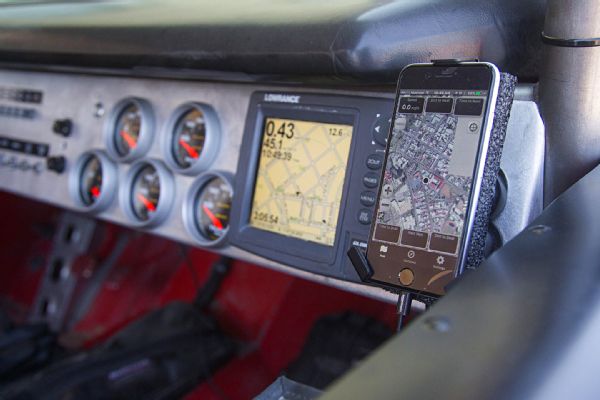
{"x": 380, "y": 129}
{"x": 375, "y": 161}
{"x": 364, "y": 216}
{"x": 371, "y": 180}
{"x": 367, "y": 198}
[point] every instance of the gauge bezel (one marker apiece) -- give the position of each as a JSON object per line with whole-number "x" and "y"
{"x": 146, "y": 131}
{"x": 109, "y": 181}
{"x": 212, "y": 141}
{"x": 165, "y": 200}
{"x": 189, "y": 206}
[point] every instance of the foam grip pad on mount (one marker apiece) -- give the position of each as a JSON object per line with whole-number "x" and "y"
{"x": 476, "y": 249}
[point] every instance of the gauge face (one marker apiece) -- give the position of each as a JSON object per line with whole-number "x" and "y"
{"x": 145, "y": 193}
{"x": 93, "y": 181}
{"x": 188, "y": 138}
{"x": 212, "y": 208}
{"x": 90, "y": 180}
{"x": 128, "y": 126}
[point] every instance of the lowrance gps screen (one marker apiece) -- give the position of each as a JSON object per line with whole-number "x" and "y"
{"x": 300, "y": 178}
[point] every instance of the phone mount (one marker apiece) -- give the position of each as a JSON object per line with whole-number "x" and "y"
{"x": 476, "y": 246}
{"x": 453, "y": 61}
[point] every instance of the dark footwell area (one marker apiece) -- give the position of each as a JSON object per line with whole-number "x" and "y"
{"x": 148, "y": 316}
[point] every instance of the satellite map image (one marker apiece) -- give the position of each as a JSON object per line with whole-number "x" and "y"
{"x": 418, "y": 191}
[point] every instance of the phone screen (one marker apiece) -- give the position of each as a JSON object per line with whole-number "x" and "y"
{"x": 431, "y": 160}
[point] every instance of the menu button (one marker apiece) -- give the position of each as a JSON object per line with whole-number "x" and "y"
{"x": 367, "y": 198}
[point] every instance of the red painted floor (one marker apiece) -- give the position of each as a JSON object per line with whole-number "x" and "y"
{"x": 268, "y": 312}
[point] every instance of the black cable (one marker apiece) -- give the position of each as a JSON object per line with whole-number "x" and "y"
{"x": 206, "y": 294}
{"x": 403, "y": 308}
{"x": 400, "y": 323}
{"x": 188, "y": 262}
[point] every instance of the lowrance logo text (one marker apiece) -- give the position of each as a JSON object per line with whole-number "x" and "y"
{"x": 282, "y": 98}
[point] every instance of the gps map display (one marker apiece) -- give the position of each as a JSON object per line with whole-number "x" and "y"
{"x": 426, "y": 187}
{"x": 300, "y": 178}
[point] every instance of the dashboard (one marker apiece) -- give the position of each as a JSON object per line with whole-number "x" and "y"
{"x": 284, "y": 177}
{"x": 256, "y": 130}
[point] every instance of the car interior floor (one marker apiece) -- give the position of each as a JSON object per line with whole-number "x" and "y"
{"x": 268, "y": 314}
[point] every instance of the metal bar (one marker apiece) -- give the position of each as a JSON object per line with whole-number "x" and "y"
{"x": 523, "y": 326}
{"x": 94, "y": 284}
{"x": 568, "y": 90}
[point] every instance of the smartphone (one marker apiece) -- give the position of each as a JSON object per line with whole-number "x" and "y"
{"x": 433, "y": 169}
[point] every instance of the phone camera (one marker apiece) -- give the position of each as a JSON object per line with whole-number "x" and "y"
{"x": 449, "y": 71}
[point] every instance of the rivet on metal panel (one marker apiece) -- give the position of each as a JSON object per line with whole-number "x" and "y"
{"x": 438, "y": 324}
{"x": 539, "y": 229}
{"x": 99, "y": 110}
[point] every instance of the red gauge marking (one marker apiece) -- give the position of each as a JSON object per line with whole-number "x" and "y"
{"x": 189, "y": 149}
{"x": 95, "y": 191}
{"x": 147, "y": 203}
{"x": 213, "y": 218}
{"x": 129, "y": 139}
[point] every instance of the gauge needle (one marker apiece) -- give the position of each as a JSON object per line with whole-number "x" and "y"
{"x": 213, "y": 218}
{"x": 95, "y": 191}
{"x": 129, "y": 139}
{"x": 189, "y": 149}
{"x": 147, "y": 203}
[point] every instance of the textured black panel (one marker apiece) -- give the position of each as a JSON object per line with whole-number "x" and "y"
{"x": 476, "y": 251}
{"x": 365, "y": 40}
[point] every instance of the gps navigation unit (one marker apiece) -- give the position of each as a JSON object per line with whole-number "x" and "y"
{"x": 307, "y": 178}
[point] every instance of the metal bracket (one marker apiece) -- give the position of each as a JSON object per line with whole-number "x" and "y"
{"x": 72, "y": 238}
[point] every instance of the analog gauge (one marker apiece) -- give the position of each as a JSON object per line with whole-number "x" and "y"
{"x": 127, "y": 129}
{"x": 92, "y": 182}
{"x": 188, "y": 138}
{"x": 148, "y": 192}
{"x": 130, "y": 129}
{"x": 145, "y": 193}
{"x": 212, "y": 208}
{"x": 208, "y": 208}
{"x": 193, "y": 138}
